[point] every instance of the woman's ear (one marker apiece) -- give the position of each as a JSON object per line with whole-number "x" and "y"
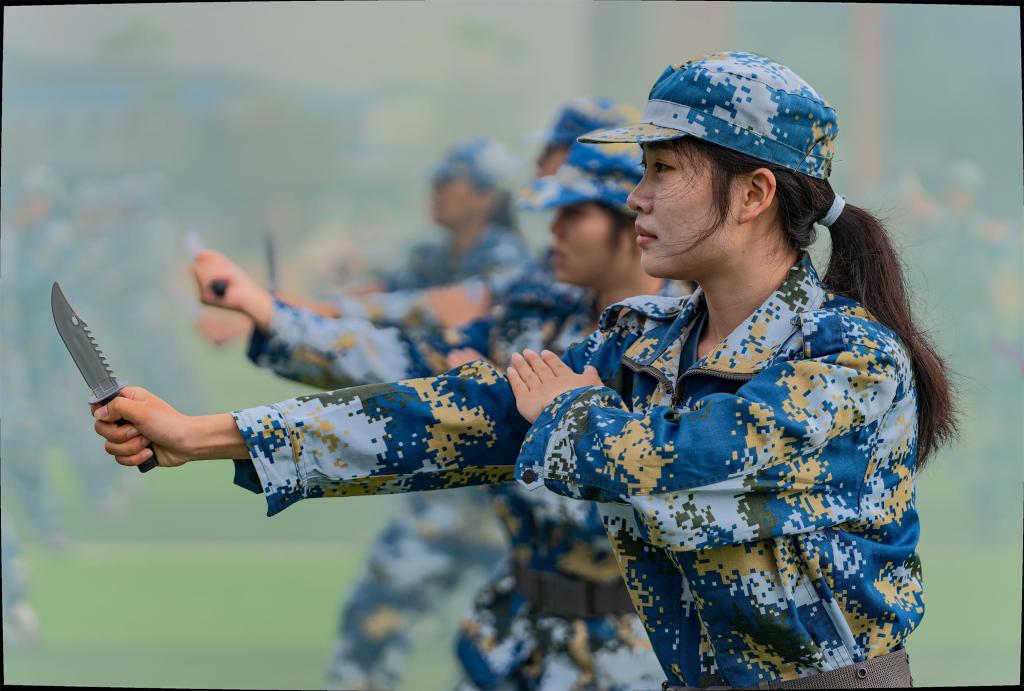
{"x": 755, "y": 192}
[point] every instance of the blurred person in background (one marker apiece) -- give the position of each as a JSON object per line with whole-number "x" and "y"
{"x": 36, "y": 239}
{"x": 471, "y": 201}
{"x": 762, "y": 512}
{"x": 382, "y": 596}
{"x": 430, "y": 548}
{"x": 555, "y": 614}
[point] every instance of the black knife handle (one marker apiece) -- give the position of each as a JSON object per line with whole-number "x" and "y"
{"x": 150, "y": 463}
{"x": 219, "y": 287}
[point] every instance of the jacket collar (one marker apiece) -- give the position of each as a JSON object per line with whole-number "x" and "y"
{"x": 751, "y": 345}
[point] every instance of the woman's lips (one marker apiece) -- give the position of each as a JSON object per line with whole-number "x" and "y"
{"x": 644, "y": 237}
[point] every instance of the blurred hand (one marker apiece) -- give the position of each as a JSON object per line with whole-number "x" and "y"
{"x": 150, "y": 420}
{"x": 460, "y": 356}
{"x": 459, "y": 304}
{"x": 537, "y": 380}
{"x": 368, "y": 289}
{"x": 242, "y": 295}
{"x": 222, "y": 327}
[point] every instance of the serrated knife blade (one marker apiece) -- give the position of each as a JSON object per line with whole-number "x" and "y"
{"x": 86, "y": 353}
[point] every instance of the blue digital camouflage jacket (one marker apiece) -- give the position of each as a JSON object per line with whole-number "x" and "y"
{"x": 761, "y": 504}
{"x": 548, "y": 532}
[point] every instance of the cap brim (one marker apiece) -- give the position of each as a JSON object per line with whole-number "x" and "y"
{"x": 548, "y": 193}
{"x": 633, "y": 134}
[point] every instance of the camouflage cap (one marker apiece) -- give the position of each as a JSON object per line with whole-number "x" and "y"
{"x": 591, "y": 173}
{"x": 582, "y": 115}
{"x": 485, "y": 162}
{"x": 743, "y": 102}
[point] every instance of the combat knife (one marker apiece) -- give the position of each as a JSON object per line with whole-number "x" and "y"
{"x": 87, "y": 356}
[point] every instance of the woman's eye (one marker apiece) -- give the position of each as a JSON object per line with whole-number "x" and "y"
{"x": 660, "y": 167}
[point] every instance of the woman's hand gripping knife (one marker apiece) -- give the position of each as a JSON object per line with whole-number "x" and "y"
{"x": 176, "y": 438}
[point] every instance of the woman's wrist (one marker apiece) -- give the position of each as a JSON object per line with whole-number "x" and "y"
{"x": 261, "y": 309}
{"x": 215, "y": 437}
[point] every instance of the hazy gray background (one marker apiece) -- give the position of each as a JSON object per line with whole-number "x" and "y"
{"x": 320, "y": 121}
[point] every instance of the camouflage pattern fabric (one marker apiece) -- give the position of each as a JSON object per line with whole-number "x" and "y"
{"x": 766, "y": 532}
{"x": 745, "y": 102}
{"x": 504, "y": 639}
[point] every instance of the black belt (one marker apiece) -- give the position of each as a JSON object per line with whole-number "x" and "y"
{"x": 561, "y": 596}
{"x": 891, "y": 671}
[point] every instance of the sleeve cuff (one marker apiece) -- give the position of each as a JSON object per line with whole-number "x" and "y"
{"x": 533, "y": 466}
{"x": 550, "y": 456}
{"x": 275, "y": 463}
{"x": 263, "y": 343}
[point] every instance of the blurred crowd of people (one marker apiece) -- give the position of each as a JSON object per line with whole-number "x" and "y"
{"x": 73, "y": 231}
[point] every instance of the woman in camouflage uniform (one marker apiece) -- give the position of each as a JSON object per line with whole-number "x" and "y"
{"x": 753, "y": 445}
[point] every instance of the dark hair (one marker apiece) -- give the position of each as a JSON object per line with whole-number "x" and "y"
{"x": 863, "y": 266}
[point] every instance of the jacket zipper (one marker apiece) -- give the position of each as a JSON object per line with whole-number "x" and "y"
{"x": 653, "y": 371}
{"x": 673, "y": 390}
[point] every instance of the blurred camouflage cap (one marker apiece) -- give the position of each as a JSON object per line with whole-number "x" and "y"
{"x": 485, "y": 162}
{"x": 591, "y": 173}
{"x": 582, "y": 115}
{"x": 743, "y": 102}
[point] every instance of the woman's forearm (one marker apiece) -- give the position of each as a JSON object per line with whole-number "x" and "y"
{"x": 215, "y": 437}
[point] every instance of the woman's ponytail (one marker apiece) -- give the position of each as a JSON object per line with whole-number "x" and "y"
{"x": 863, "y": 266}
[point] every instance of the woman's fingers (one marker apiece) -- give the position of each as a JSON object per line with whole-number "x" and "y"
{"x": 555, "y": 363}
{"x": 114, "y": 433}
{"x": 591, "y": 373}
{"x": 135, "y": 459}
{"x": 518, "y": 386}
{"x": 525, "y": 371}
{"x": 128, "y": 406}
{"x": 127, "y": 448}
{"x": 540, "y": 368}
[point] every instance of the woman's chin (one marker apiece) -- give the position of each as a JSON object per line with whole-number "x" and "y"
{"x": 665, "y": 268}
{"x": 658, "y": 268}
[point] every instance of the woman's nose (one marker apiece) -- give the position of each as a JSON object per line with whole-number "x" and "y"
{"x": 637, "y": 200}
